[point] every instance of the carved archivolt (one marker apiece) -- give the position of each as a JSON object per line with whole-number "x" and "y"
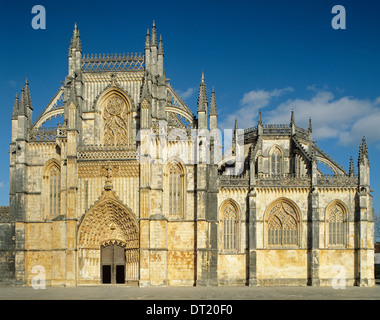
{"x": 108, "y": 221}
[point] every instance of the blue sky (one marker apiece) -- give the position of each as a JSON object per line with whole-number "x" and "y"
{"x": 270, "y": 55}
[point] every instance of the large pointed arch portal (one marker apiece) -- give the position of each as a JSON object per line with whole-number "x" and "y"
{"x": 108, "y": 243}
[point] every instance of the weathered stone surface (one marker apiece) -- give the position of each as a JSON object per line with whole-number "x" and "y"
{"x": 181, "y": 217}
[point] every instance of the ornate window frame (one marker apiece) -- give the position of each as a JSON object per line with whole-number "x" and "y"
{"x": 51, "y": 189}
{"x": 282, "y": 213}
{"x": 180, "y": 182}
{"x": 230, "y": 226}
{"x": 340, "y": 212}
{"x": 276, "y": 160}
{"x": 100, "y": 108}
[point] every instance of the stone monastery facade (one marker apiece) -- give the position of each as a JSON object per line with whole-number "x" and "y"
{"x": 132, "y": 187}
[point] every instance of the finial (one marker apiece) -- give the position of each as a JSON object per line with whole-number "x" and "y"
{"x": 351, "y": 171}
{"x": 154, "y": 36}
{"x": 147, "y": 39}
{"x": 160, "y": 46}
{"x": 15, "y": 108}
{"x": 213, "y": 111}
{"x": 363, "y": 151}
{"x": 292, "y": 117}
{"x": 234, "y": 133}
{"x": 310, "y": 128}
{"x": 202, "y": 95}
{"x": 75, "y": 40}
{"x": 260, "y": 118}
{"x": 25, "y": 95}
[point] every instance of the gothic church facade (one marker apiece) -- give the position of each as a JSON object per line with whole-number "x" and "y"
{"x": 131, "y": 187}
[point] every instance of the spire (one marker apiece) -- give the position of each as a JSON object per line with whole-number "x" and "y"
{"x": 351, "y": 171}
{"x": 310, "y": 128}
{"x": 234, "y": 134}
{"x": 147, "y": 40}
{"x": 15, "y": 108}
{"x": 27, "y": 100}
{"x": 202, "y": 95}
{"x": 153, "y": 42}
{"x": 160, "y": 47}
{"x": 292, "y": 118}
{"x": 75, "y": 40}
{"x": 21, "y": 108}
{"x": 260, "y": 122}
{"x": 213, "y": 111}
{"x": 292, "y": 123}
{"x": 25, "y": 110}
{"x": 363, "y": 151}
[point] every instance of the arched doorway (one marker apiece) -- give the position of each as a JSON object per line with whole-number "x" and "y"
{"x": 112, "y": 263}
{"x": 118, "y": 263}
{"x": 108, "y": 244}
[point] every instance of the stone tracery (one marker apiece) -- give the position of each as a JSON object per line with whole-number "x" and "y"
{"x": 282, "y": 224}
{"x": 115, "y": 121}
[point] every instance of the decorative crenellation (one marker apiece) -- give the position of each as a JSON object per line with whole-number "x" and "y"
{"x": 98, "y": 152}
{"x": 275, "y": 129}
{"x": 43, "y": 134}
{"x": 113, "y": 62}
{"x": 104, "y": 169}
{"x": 234, "y": 180}
{"x": 288, "y": 179}
{"x": 61, "y": 131}
{"x": 337, "y": 180}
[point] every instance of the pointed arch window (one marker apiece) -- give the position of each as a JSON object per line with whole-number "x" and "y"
{"x": 175, "y": 189}
{"x": 336, "y": 219}
{"x": 115, "y": 118}
{"x": 229, "y": 226}
{"x": 276, "y": 162}
{"x": 282, "y": 225}
{"x": 54, "y": 191}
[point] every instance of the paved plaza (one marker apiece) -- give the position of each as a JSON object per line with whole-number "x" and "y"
{"x": 105, "y": 292}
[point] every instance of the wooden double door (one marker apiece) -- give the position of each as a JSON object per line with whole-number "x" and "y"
{"x": 119, "y": 265}
{"x": 113, "y": 264}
